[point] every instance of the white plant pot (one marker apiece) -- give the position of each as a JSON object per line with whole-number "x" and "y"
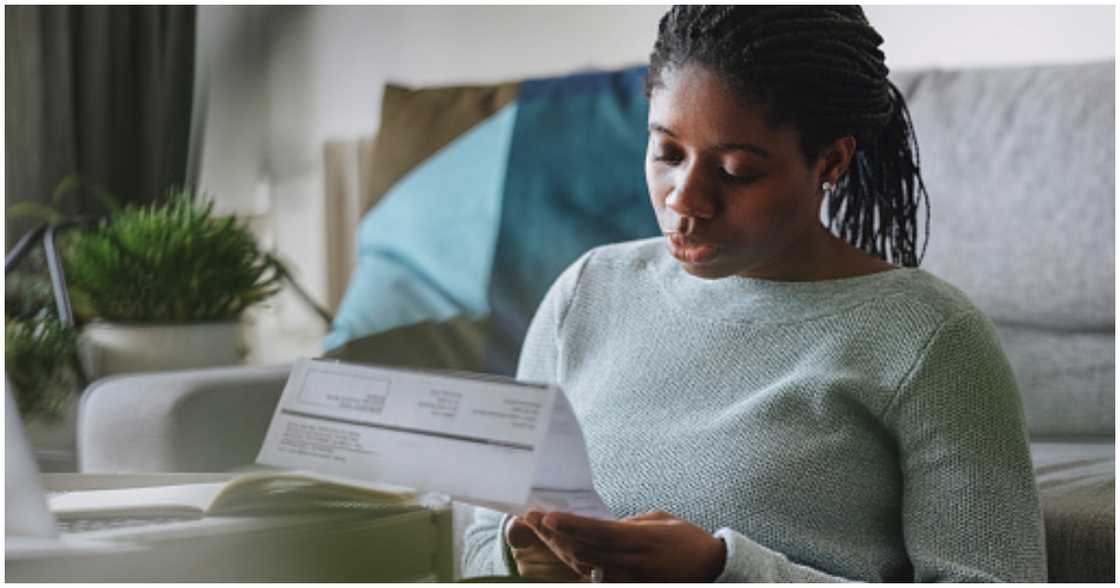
{"x": 118, "y": 348}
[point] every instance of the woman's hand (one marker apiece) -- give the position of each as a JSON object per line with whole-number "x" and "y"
{"x": 655, "y": 546}
{"x": 534, "y": 559}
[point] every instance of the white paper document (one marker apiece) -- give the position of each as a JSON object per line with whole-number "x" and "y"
{"x": 486, "y": 440}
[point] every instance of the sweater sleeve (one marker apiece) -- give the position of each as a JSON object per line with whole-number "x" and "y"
{"x": 970, "y": 506}
{"x": 485, "y": 552}
{"x": 747, "y": 561}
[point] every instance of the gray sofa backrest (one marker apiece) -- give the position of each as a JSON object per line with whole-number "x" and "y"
{"x": 1019, "y": 165}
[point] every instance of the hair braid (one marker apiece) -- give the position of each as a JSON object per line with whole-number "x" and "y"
{"x": 820, "y": 69}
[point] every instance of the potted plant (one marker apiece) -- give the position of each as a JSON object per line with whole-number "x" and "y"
{"x": 40, "y": 361}
{"x": 163, "y": 286}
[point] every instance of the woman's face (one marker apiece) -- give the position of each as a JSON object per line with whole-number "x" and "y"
{"x": 753, "y": 200}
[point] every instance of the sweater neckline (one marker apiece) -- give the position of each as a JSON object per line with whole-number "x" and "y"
{"x": 739, "y": 299}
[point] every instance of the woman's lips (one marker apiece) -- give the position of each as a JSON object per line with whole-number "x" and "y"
{"x": 690, "y": 251}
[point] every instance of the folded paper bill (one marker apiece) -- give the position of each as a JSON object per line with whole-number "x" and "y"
{"x": 487, "y": 440}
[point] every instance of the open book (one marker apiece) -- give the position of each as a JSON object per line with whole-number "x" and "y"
{"x": 252, "y": 493}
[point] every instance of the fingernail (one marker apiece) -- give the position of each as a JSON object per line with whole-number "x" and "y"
{"x": 519, "y": 537}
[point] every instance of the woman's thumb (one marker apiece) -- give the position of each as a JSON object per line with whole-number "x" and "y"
{"x": 520, "y": 535}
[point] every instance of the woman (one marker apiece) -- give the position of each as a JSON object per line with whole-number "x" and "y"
{"x": 808, "y": 407}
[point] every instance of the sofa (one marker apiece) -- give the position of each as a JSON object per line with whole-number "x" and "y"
{"x": 1019, "y": 163}
{"x": 480, "y": 195}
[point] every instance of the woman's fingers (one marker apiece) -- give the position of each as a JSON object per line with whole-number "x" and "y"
{"x": 655, "y": 515}
{"x": 626, "y": 550}
{"x": 653, "y": 546}
{"x": 582, "y": 556}
{"x": 534, "y": 558}
{"x": 613, "y": 535}
{"x": 536, "y": 564}
{"x": 588, "y": 556}
{"x": 533, "y": 518}
{"x": 584, "y": 543}
{"x": 549, "y": 572}
{"x": 525, "y": 540}
{"x": 519, "y": 535}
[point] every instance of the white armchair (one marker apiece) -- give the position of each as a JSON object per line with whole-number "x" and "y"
{"x": 208, "y": 420}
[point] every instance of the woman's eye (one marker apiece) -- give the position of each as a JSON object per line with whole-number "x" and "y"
{"x": 666, "y": 157}
{"x": 742, "y": 177}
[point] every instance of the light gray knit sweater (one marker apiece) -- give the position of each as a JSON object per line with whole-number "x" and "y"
{"x": 866, "y": 428}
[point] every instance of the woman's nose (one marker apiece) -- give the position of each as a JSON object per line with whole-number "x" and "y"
{"x": 690, "y": 197}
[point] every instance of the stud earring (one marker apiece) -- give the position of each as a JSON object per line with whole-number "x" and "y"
{"x": 828, "y": 187}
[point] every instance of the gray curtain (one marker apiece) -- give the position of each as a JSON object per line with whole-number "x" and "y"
{"x": 99, "y": 91}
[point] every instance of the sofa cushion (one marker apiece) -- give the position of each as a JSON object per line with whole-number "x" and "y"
{"x": 417, "y": 123}
{"x": 576, "y": 180}
{"x": 425, "y": 251}
{"x": 1067, "y": 379}
{"x": 473, "y": 232}
{"x": 1077, "y": 486}
{"x": 1019, "y": 164}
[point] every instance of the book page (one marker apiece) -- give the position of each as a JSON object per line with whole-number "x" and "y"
{"x": 284, "y": 491}
{"x": 259, "y": 492}
{"x": 175, "y": 500}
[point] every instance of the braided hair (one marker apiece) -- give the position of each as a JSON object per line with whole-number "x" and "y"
{"x": 819, "y": 69}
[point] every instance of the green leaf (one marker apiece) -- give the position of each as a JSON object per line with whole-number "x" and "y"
{"x": 40, "y": 358}
{"x": 66, "y": 185}
{"x": 170, "y": 262}
{"x": 34, "y": 210}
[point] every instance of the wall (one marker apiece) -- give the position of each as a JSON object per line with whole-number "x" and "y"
{"x": 961, "y": 36}
{"x": 283, "y": 80}
{"x": 355, "y": 49}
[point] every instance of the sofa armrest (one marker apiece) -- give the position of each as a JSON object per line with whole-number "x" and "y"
{"x": 207, "y": 420}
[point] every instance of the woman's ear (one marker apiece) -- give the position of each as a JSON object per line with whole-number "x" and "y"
{"x": 835, "y": 159}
